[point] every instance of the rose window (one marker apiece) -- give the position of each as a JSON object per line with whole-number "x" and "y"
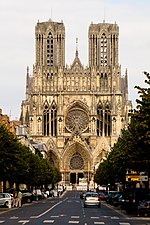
{"x": 76, "y": 162}
{"x": 77, "y": 119}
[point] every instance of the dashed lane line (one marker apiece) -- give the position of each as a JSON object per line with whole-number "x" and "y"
{"x": 114, "y": 217}
{"x": 124, "y": 223}
{"x": 75, "y": 217}
{"x": 54, "y": 216}
{"x": 14, "y": 217}
{"x": 98, "y": 222}
{"x": 48, "y": 221}
{"x": 23, "y": 221}
{"x": 94, "y": 217}
{"x": 73, "y": 221}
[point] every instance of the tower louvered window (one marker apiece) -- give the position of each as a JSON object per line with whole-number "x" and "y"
{"x": 50, "y": 45}
{"x": 99, "y": 120}
{"x": 103, "y": 50}
{"x": 53, "y": 120}
{"x": 46, "y": 121}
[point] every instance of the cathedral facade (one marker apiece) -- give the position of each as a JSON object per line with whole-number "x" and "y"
{"x": 77, "y": 112}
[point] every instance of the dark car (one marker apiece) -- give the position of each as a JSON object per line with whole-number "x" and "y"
{"x": 131, "y": 198}
{"x": 115, "y": 199}
{"x": 27, "y": 196}
{"x": 102, "y": 195}
{"x": 110, "y": 196}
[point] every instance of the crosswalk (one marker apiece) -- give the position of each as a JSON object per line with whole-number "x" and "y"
{"x": 74, "y": 219}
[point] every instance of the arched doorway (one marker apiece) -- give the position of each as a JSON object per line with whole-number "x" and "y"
{"x": 75, "y": 162}
{"x": 80, "y": 175}
{"x": 73, "y": 178}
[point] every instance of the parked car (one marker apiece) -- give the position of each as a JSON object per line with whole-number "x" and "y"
{"x": 110, "y": 196}
{"x": 27, "y": 196}
{"x": 131, "y": 198}
{"x": 102, "y": 195}
{"x": 115, "y": 199}
{"x": 144, "y": 208}
{"x": 92, "y": 199}
{"x": 6, "y": 199}
{"x": 37, "y": 194}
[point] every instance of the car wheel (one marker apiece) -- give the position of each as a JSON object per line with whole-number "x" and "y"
{"x": 28, "y": 200}
{"x": 84, "y": 206}
{"x": 6, "y": 204}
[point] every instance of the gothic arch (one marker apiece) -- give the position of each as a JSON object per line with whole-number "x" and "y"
{"x": 52, "y": 153}
{"x": 100, "y": 151}
{"x": 76, "y": 156}
{"x": 78, "y": 104}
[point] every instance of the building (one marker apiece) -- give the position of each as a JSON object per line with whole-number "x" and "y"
{"x": 77, "y": 112}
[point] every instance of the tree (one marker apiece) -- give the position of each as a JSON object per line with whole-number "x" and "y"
{"x": 19, "y": 165}
{"x": 132, "y": 149}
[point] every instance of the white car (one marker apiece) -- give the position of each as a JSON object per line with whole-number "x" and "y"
{"x": 92, "y": 199}
{"x": 5, "y": 199}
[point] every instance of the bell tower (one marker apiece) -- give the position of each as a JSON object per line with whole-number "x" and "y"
{"x": 103, "y": 45}
{"x": 50, "y": 44}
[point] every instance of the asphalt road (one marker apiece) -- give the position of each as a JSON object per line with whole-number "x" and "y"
{"x": 68, "y": 209}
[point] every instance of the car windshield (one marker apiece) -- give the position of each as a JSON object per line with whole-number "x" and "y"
{"x": 91, "y": 195}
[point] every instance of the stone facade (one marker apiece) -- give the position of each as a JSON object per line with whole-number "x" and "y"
{"x": 77, "y": 112}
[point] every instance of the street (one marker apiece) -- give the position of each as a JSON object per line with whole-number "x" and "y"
{"x": 68, "y": 209}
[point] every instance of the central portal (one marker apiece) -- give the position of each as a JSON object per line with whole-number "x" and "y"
{"x": 74, "y": 177}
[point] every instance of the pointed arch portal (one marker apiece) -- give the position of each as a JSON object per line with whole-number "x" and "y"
{"x": 76, "y": 161}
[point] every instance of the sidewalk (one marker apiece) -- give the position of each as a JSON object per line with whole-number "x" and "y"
{"x": 124, "y": 213}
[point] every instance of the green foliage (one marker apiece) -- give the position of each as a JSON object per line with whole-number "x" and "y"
{"x": 19, "y": 165}
{"x": 132, "y": 150}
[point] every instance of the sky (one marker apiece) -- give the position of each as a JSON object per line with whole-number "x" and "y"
{"x": 18, "y": 19}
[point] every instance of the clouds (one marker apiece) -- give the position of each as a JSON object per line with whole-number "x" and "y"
{"x": 17, "y": 45}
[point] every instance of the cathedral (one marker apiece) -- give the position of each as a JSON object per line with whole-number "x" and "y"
{"x": 76, "y": 112}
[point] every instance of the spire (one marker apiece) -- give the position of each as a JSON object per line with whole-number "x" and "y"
{"x": 77, "y": 47}
{"x": 126, "y": 80}
{"x": 27, "y": 83}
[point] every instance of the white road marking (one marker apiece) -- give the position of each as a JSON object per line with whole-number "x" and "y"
{"x": 48, "y": 221}
{"x": 114, "y": 218}
{"x": 74, "y": 217}
{"x": 2, "y": 221}
{"x": 23, "y": 221}
{"x": 38, "y": 216}
{"x": 54, "y": 216}
{"x": 124, "y": 223}
{"x": 14, "y": 217}
{"x": 96, "y": 217}
{"x": 98, "y": 222}
{"x": 73, "y": 221}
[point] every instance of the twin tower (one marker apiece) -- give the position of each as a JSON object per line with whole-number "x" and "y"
{"x": 76, "y": 112}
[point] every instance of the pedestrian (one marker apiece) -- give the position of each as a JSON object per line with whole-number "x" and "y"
{"x": 14, "y": 203}
{"x": 19, "y": 199}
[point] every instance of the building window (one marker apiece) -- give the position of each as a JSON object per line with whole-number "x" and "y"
{"x": 76, "y": 162}
{"x": 107, "y": 127}
{"x": 46, "y": 121}
{"x": 53, "y": 120}
{"x": 99, "y": 120}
